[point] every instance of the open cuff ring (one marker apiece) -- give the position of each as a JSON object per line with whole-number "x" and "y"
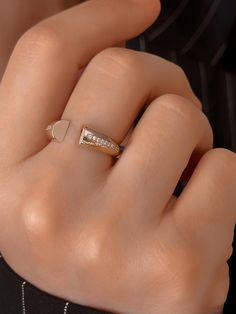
{"x": 88, "y": 138}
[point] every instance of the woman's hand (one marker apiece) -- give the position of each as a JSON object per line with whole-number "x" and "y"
{"x": 16, "y": 16}
{"x": 97, "y": 232}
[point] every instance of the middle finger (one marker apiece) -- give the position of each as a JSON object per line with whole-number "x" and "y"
{"x": 171, "y": 131}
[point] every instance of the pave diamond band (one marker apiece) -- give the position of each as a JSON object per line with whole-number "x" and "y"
{"x": 99, "y": 141}
{"x": 90, "y": 138}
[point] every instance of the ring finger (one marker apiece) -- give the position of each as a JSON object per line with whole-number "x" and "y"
{"x": 114, "y": 87}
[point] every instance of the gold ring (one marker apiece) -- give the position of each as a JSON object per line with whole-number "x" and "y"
{"x": 89, "y": 138}
{"x": 57, "y": 130}
{"x": 98, "y": 141}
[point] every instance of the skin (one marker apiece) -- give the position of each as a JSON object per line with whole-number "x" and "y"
{"x": 95, "y": 231}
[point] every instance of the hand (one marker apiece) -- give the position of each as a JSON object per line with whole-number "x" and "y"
{"x": 18, "y": 15}
{"x": 81, "y": 226}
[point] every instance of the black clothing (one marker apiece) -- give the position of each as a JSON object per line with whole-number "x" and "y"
{"x": 20, "y": 297}
{"x": 200, "y": 36}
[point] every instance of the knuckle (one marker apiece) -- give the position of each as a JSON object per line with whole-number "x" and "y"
{"x": 36, "y": 220}
{"x": 41, "y": 211}
{"x": 223, "y": 164}
{"x": 116, "y": 62}
{"x": 40, "y": 41}
{"x": 181, "y": 76}
{"x": 222, "y": 159}
{"x": 220, "y": 163}
{"x": 218, "y": 170}
{"x": 180, "y": 72}
{"x": 176, "y": 104}
{"x": 154, "y": 6}
{"x": 183, "y": 84}
{"x": 181, "y": 108}
{"x": 92, "y": 246}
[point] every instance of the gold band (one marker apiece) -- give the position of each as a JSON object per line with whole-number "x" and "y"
{"x": 99, "y": 141}
{"x": 88, "y": 138}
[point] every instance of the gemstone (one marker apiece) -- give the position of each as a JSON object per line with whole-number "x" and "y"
{"x": 103, "y": 141}
{"x": 89, "y": 136}
{"x": 94, "y": 138}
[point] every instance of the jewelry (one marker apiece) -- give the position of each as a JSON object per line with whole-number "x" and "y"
{"x": 23, "y": 297}
{"x": 98, "y": 141}
{"x": 57, "y": 130}
{"x": 89, "y": 138}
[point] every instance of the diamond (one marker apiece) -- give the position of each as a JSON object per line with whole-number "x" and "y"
{"x": 94, "y": 138}
{"x": 103, "y": 141}
{"x": 89, "y": 136}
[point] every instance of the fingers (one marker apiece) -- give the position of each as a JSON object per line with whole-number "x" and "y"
{"x": 170, "y": 130}
{"x": 114, "y": 87}
{"x": 207, "y": 206}
{"x": 43, "y": 69}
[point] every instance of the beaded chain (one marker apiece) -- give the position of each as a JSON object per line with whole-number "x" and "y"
{"x": 23, "y": 301}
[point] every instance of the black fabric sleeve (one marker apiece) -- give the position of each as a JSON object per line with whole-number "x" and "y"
{"x": 17, "y": 296}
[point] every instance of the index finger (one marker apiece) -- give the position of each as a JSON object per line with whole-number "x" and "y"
{"x": 43, "y": 69}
